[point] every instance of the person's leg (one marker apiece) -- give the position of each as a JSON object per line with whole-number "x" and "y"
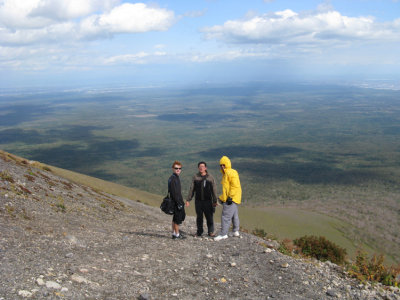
{"x": 199, "y": 218}
{"x": 208, "y": 212}
{"x": 175, "y": 228}
{"x": 235, "y": 218}
{"x": 226, "y": 218}
{"x": 179, "y": 217}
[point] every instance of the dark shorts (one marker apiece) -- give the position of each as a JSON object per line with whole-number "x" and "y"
{"x": 179, "y": 216}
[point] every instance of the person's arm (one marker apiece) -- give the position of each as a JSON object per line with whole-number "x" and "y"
{"x": 173, "y": 189}
{"x": 176, "y": 192}
{"x": 234, "y": 184}
{"x": 214, "y": 190}
{"x": 235, "y": 190}
{"x": 191, "y": 190}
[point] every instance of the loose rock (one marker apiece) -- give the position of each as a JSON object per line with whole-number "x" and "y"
{"x": 25, "y": 294}
{"x": 79, "y": 279}
{"x": 53, "y": 285}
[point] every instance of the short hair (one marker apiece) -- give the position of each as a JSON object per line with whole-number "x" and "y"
{"x": 202, "y": 162}
{"x": 178, "y": 163}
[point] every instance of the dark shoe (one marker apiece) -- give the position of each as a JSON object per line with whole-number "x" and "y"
{"x": 179, "y": 237}
{"x": 211, "y": 234}
{"x": 197, "y": 235}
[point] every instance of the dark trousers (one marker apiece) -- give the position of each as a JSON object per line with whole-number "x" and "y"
{"x": 206, "y": 208}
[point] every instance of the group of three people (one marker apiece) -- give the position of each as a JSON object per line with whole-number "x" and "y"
{"x": 203, "y": 187}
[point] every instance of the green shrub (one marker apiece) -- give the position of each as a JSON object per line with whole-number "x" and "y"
{"x": 260, "y": 233}
{"x": 321, "y": 248}
{"x": 373, "y": 269}
{"x": 60, "y": 205}
{"x": 286, "y": 247}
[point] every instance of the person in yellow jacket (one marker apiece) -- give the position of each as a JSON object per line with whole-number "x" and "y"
{"x": 231, "y": 197}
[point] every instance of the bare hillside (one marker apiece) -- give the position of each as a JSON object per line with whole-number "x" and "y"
{"x": 63, "y": 240}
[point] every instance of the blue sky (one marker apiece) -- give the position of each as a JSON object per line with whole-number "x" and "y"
{"x": 101, "y": 42}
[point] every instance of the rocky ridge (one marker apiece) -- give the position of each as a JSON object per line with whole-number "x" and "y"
{"x": 64, "y": 240}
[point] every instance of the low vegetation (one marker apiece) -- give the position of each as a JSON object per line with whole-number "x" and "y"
{"x": 260, "y": 233}
{"x": 321, "y": 249}
{"x": 363, "y": 268}
{"x": 61, "y": 207}
{"x": 373, "y": 269}
{"x": 286, "y": 247}
{"x": 4, "y": 175}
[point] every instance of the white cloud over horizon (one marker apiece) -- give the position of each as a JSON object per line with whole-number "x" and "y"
{"x": 58, "y": 21}
{"x": 57, "y": 35}
{"x": 289, "y": 27}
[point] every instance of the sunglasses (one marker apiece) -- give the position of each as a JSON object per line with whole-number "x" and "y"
{"x": 178, "y": 168}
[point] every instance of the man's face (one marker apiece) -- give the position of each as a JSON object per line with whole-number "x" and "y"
{"x": 177, "y": 169}
{"x": 202, "y": 168}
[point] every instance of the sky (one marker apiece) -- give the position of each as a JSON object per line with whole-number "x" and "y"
{"x": 110, "y": 42}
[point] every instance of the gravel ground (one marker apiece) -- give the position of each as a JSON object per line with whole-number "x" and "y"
{"x": 61, "y": 240}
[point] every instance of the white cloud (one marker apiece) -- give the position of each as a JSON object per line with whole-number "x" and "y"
{"x": 127, "y": 58}
{"x": 33, "y": 58}
{"x": 20, "y": 14}
{"x": 137, "y": 58}
{"x": 288, "y": 27}
{"x": 52, "y": 33}
{"x": 136, "y": 18}
{"x": 14, "y": 14}
{"x": 45, "y": 21}
{"x": 229, "y": 55}
{"x": 64, "y": 10}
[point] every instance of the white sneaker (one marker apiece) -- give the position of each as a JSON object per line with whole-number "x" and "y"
{"x": 221, "y": 237}
{"x": 236, "y": 234}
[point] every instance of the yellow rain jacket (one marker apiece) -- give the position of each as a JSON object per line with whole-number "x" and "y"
{"x": 230, "y": 182}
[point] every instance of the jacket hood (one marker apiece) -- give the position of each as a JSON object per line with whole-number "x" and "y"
{"x": 225, "y": 161}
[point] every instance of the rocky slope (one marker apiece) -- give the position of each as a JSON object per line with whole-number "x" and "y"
{"x": 63, "y": 240}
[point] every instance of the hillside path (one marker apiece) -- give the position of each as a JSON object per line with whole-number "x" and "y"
{"x": 62, "y": 240}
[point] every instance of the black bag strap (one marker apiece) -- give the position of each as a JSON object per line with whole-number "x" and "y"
{"x": 169, "y": 188}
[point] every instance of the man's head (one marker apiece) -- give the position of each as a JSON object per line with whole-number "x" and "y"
{"x": 224, "y": 163}
{"x": 177, "y": 167}
{"x": 202, "y": 167}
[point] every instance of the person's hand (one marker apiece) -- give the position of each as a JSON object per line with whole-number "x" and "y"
{"x": 215, "y": 204}
{"x": 187, "y": 204}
